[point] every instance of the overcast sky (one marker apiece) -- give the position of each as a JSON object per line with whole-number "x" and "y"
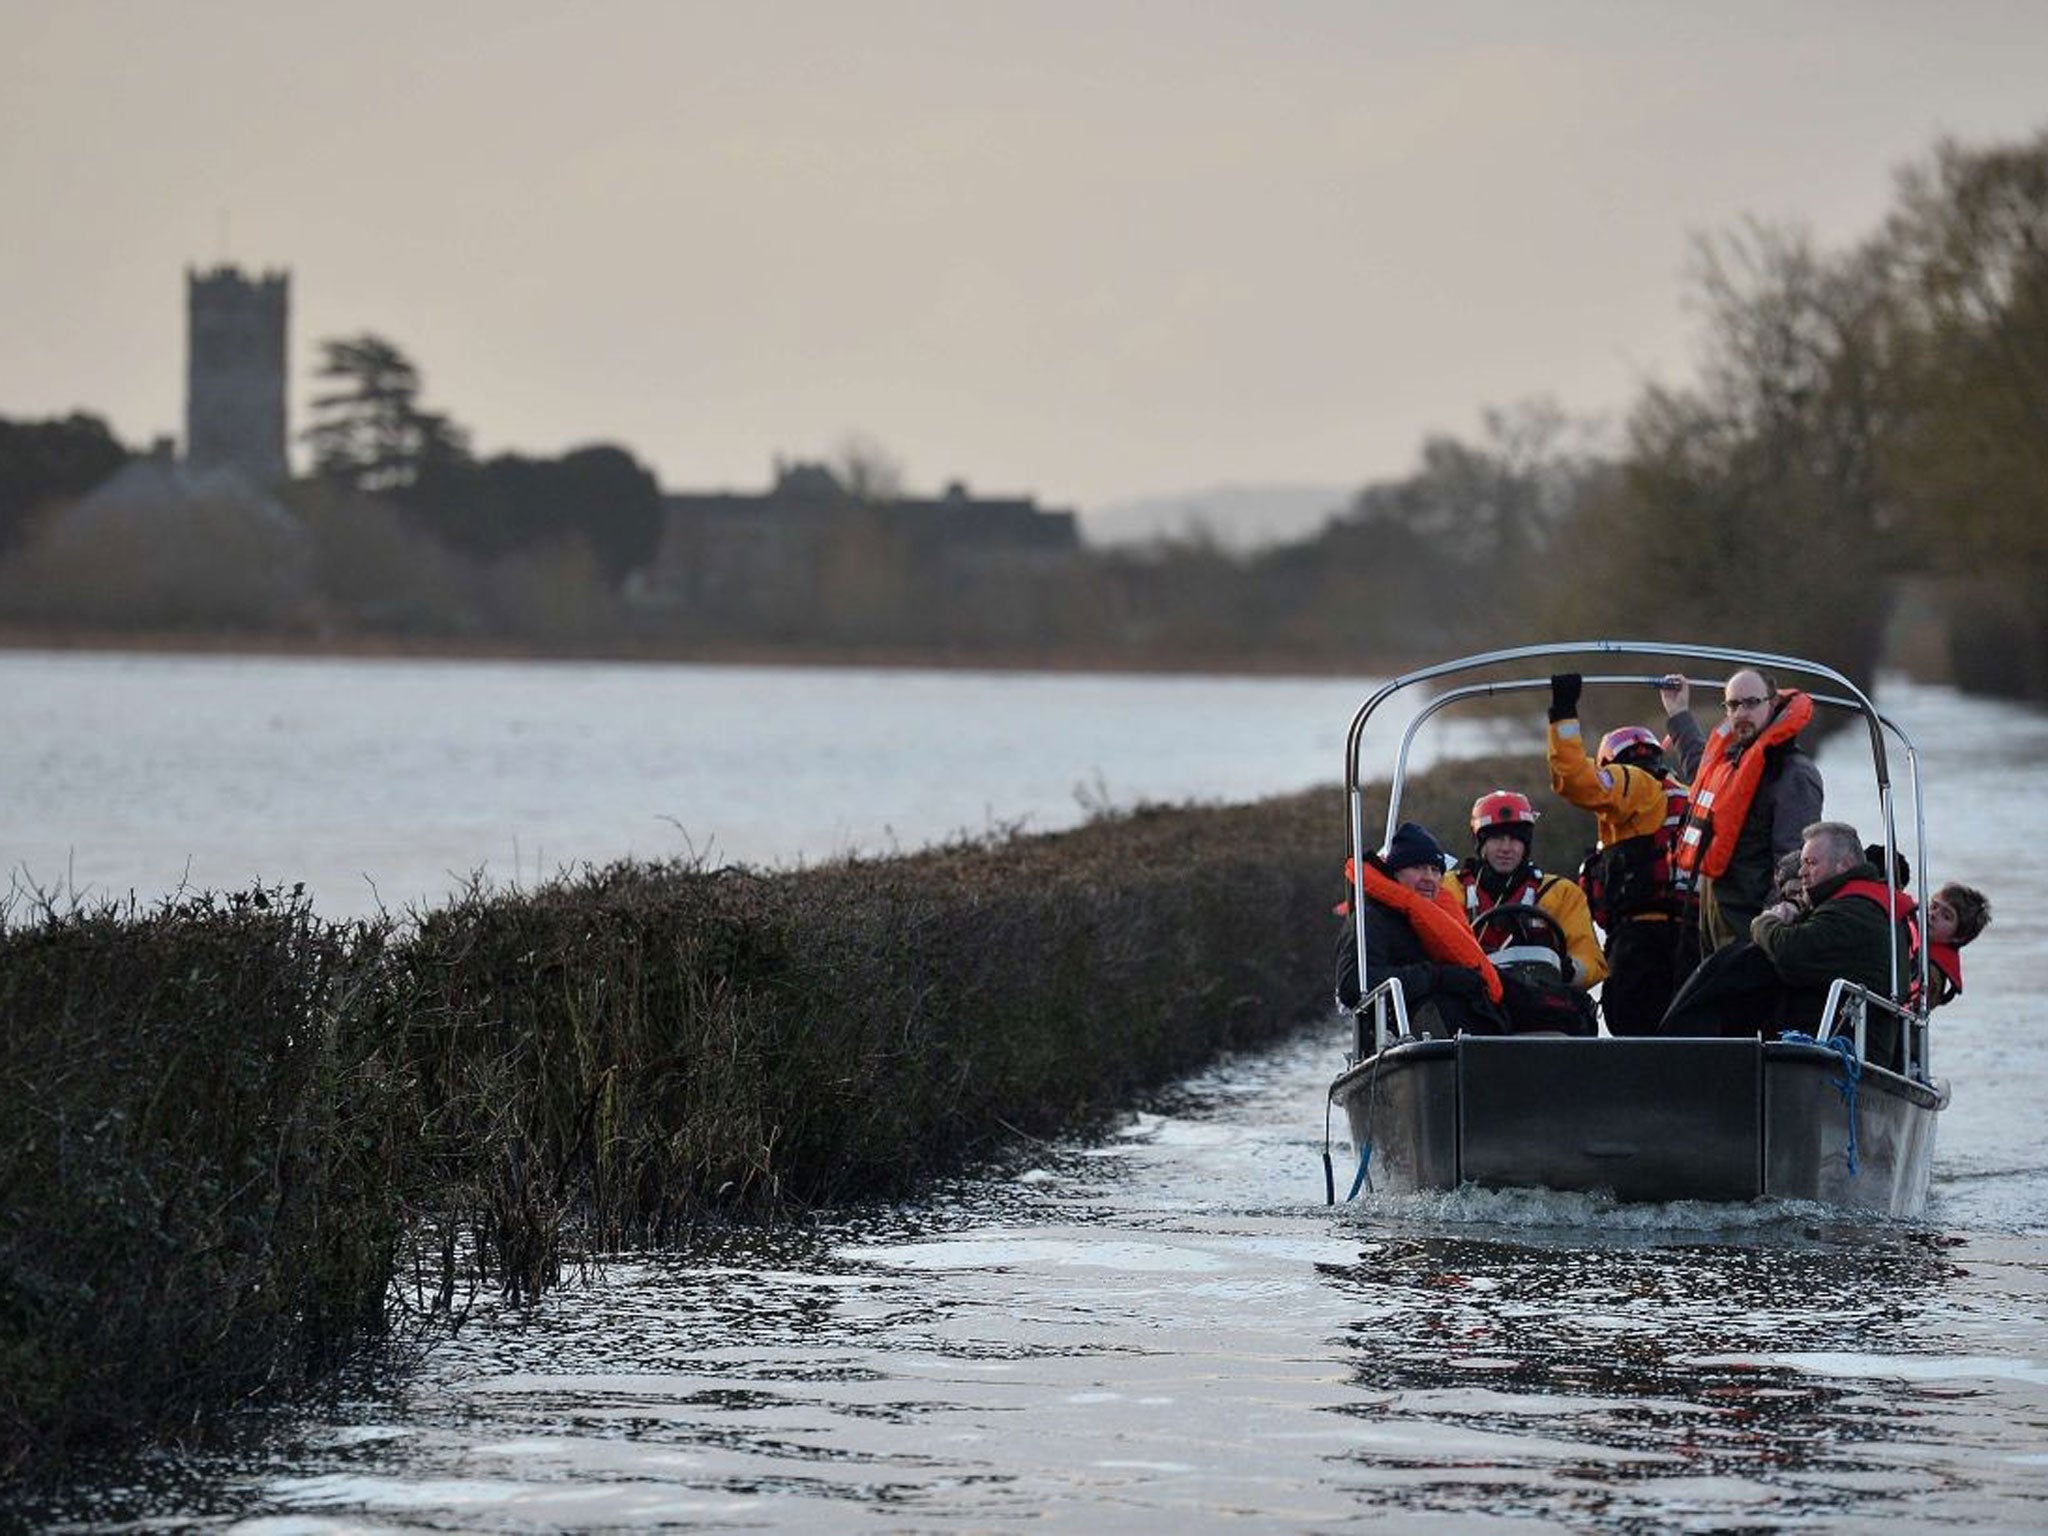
{"x": 1087, "y": 251}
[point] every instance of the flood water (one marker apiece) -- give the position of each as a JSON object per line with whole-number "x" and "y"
{"x": 1168, "y": 1328}
{"x": 388, "y": 784}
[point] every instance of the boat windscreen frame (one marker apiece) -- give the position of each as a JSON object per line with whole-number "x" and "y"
{"x": 1853, "y": 699}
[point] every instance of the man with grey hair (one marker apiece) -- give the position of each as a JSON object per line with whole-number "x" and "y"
{"x": 1852, "y": 928}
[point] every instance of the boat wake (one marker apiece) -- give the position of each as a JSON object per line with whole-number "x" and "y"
{"x": 1576, "y": 1216}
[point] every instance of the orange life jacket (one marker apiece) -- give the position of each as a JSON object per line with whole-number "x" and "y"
{"x": 1439, "y": 923}
{"x": 1725, "y": 785}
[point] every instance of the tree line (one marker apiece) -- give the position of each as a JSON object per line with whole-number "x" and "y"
{"x": 1860, "y": 423}
{"x": 1864, "y": 426}
{"x": 1862, "y": 419}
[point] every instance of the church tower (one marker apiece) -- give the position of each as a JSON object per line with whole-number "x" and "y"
{"x": 235, "y": 373}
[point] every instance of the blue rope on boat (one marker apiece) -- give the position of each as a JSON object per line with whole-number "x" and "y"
{"x": 1364, "y": 1162}
{"x": 1852, "y": 1070}
{"x": 1365, "y": 1152}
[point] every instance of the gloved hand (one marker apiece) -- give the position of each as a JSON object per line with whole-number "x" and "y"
{"x": 1457, "y": 981}
{"x": 1564, "y": 695}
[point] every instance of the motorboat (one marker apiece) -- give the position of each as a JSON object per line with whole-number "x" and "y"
{"x": 1806, "y": 1117}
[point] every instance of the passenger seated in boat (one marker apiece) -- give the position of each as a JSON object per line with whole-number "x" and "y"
{"x": 1956, "y": 914}
{"x": 1415, "y": 931}
{"x": 1853, "y": 927}
{"x": 1788, "y": 884}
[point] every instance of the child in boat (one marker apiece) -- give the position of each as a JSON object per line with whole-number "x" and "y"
{"x": 1956, "y": 914}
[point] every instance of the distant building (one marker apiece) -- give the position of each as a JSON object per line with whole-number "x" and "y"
{"x": 795, "y": 550}
{"x": 235, "y": 374}
{"x": 159, "y": 542}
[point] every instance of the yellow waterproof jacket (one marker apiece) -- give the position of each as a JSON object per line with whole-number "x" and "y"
{"x": 1625, "y": 802}
{"x": 1566, "y": 903}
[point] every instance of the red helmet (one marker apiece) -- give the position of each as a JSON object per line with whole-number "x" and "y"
{"x": 1629, "y": 744}
{"x": 1503, "y": 808}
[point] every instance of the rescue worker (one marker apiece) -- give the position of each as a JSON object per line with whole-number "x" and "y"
{"x": 1632, "y": 882}
{"x": 1500, "y": 873}
{"x": 1753, "y": 792}
{"x": 1416, "y": 932}
{"x": 1854, "y": 927}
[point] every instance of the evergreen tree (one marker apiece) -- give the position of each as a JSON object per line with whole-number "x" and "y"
{"x": 369, "y": 432}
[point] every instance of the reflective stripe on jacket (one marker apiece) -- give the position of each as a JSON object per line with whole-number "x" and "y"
{"x": 1625, "y": 801}
{"x": 1559, "y": 899}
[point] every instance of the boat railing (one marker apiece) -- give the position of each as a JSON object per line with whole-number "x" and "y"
{"x": 1850, "y": 698}
{"x": 1847, "y": 1014}
{"x": 1380, "y": 1019}
{"x": 1386, "y": 1007}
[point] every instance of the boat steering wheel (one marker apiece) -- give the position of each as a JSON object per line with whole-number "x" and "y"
{"x": 1522, "y": 925}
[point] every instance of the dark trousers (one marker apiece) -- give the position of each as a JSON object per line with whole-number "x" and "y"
{"x": 1442, "y": 1018}
{"x": 1737, "y": 991}
{"x": 1646, "y": 960}
{"x": 1734, "y": 991}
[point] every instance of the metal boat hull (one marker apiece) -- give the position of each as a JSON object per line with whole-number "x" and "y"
{"x": 1647, "y": 1120}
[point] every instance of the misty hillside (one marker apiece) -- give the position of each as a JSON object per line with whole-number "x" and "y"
{"x": 1241, "y": 517}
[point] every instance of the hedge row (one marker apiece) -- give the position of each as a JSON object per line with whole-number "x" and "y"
{"x": 238, "y": 1142}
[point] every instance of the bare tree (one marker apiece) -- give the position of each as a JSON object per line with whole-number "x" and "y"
{"x": 867, "y": 470}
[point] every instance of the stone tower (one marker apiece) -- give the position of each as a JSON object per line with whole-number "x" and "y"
{"x": 235, "y": 373}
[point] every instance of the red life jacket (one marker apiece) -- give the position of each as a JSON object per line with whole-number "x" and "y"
{"x": 1524, "y": 892}
{"x": 1638, "y": 876}
{"x": 1725, "y": 785}
{"x": 1944, "y": 973}
{"x": 1677, "y": 806}
{"x": 1898, "y": 904}
{"x": 1902, "y": 910}
{"x": 1499, "y": 939}
{"x": 1438, "y": 924}
{"x": 1944, "y": 968}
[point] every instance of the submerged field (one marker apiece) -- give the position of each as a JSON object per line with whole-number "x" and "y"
{"x": 240, "y": 1142}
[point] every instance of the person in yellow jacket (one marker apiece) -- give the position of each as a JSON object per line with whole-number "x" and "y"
{"x": 1500, "y": 874}
{"x": 1634, "y": 887}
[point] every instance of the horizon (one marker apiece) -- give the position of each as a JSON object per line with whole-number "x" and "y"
{"x": 1095, "y": 256}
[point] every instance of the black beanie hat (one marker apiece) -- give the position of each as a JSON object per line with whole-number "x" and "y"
{"x": 1411, "y": 844}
